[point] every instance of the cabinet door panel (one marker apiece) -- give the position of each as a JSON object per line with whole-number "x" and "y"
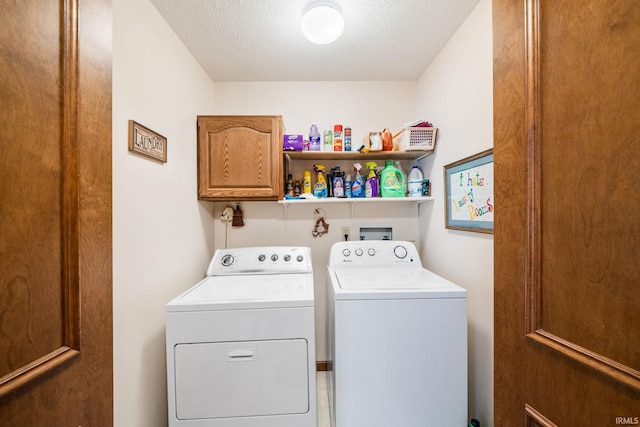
{"x": 239, "y": 157}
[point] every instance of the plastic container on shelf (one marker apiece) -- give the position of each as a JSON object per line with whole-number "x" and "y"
{"x": 392, "y": 181}
{"x": 415, "y": 181}
{"x": 372, "y": 186}
{"x": 358, "y": 184}
{"x": 327, "y": 144}
{"x": 306, "y": 182}
{"x": 315, "y": 139}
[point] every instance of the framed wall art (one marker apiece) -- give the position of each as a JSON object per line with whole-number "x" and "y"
{"x": 469, "y": 190}
{"x": 144, "y": 141}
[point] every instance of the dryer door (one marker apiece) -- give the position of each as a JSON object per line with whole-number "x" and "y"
{"x": 241, "y": 379}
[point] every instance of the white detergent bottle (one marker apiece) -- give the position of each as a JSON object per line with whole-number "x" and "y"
{"x": 415, "y": 182}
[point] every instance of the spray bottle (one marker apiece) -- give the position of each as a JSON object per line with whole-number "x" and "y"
{"x": 357, "y": 186}
{"x": 320, "y": 188}
{"x": 372, "y": 187}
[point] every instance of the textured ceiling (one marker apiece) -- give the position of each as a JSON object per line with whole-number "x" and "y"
{"x": 261, "y": 40}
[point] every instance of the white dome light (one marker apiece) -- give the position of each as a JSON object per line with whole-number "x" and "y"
{"x": 322, "y": 23}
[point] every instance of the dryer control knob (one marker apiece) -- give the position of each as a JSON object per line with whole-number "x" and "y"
{"x": 227, "y": 260}
{"x": 262, "y": 257}
{"x": 287, "y": 258}
{"x": 346, "y": 252}
{"x": 400, "y": 252}
{"x": 359, "y": 252}
{"x": 371, "y": 251}
{"x": 300, "y": 258}
{"x": 274, "y": 257}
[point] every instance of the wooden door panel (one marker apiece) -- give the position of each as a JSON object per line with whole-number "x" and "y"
{"x": 567, "y": 163}
{"x": 39, "y": 303}
{"x": 55, "y": 213}
{"x": 590, "y": 167}
{"x": 583, "y": 168}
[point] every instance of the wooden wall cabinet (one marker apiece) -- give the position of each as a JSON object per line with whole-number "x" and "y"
{"x": 240, "y": 158}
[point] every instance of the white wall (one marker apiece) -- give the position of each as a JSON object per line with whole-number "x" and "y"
{"x": 456, "y": 94}
{"x": 162, "y": 236}
{"x": 365, "y": 106}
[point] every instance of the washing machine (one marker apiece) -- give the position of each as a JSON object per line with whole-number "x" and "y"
{"x": 241, "y": 343}
{"x": 397, "y": 339}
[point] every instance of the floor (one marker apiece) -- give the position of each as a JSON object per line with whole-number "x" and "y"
{"x": 323, "y": 400}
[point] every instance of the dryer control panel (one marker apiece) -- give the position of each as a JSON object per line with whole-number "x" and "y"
{"x": 374, "y": 253}
{"x": 261, "y": 260}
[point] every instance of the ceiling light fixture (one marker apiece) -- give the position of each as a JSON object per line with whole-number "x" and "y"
{"x": 322, "y": 22}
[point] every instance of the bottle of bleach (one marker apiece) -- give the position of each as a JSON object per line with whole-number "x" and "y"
{"x": 415, "y": 182}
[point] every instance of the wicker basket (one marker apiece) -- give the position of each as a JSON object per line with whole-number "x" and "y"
{"x": 416, "y": 139}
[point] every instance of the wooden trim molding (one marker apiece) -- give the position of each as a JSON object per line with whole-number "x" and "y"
{"x": 534, "y": 303}
{"x": 70, "y": 283}
{"x": 71, "y": 255}
{"x": 533, "y": 418}
{"x": 617, "y": 371}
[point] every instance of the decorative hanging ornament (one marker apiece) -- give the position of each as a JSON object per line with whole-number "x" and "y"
{"x": 321, "y": 228}
{"x": 237, "y": 217}
{"x": 227, "y": 214}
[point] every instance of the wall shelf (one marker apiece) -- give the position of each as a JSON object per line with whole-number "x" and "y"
{"x": 324, "y": 156}
{"x": 356, "y": 155}
{"x": 355, "y": 200}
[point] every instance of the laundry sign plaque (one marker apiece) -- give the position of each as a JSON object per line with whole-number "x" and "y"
{"x": 144, "y": 141}
{"x": 469, "y": 190}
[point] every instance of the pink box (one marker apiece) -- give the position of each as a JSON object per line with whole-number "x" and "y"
{"x": 292, "y": 143}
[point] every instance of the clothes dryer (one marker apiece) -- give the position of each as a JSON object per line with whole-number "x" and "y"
{"x": 397, "y": 339}
{"x": 240, "y": 344}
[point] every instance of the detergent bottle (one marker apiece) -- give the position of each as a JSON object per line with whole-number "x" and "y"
{"x": 320, "y": 188}
{"x": 371, "y": 188}
{"x": 357, "y": 186}
{"x": 392, "y": 181}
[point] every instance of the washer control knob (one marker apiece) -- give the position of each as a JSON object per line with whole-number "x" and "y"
{"x": 346, "y": 252}
{"x": 400, "y": 252}
{"x": 274, "y": 257}
{"x": 371, "y": 251}
{"x": 262, "y": 257}
{"x": 359, "y": 252}
{"x": 227, "y": 260}
{"x": 300, "y": 258}
{"x": 287, "y": 257}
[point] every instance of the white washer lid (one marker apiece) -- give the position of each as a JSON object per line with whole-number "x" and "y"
{"x": 247, "y": 292}
{"x": 393, "y": 283}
